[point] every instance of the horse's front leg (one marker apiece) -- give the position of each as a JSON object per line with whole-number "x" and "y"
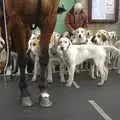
{"x": 18, "y": 33}
{"x": 46, "y": 33}
{"x": 25, "y": 98}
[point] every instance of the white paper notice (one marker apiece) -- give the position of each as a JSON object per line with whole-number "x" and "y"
{"x": 102, "y": 8}
{"x": 99, "y": 9}
{"x": 110, "y": 6}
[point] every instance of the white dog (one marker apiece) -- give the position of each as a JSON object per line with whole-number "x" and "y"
{"x": 34, "y": 48}
{"x": 76, "y": 54}
{"x": 79, "y": 36}
{"x": 3, "y": 55}
{"x": 101, "y": 38}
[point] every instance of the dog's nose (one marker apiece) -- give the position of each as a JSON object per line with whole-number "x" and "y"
{"x": 62, "y": 48}
{"x": 79, "y": 36}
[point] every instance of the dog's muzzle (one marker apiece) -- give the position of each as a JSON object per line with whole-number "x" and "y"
{"x": 53, "y": 51}
{"x": 62, "y": 48}
{"x": 28, "y": 52}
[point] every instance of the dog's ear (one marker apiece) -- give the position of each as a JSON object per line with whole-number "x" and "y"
{"x": 38, "y": 37}
{"x": 104, "y": 37}
{"x": 93, "y": 39}
{"x": 61, "y": 36}
{"x": 88, "y": 33}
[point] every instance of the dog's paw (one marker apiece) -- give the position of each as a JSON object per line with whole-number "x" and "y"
{"x": 34, "y": 79}
{"x": 9, "y": 73}
{"x": 100, "y": 84}
{"x": 118, "y": 71}
{"x": 68, "y": 84}
{"x": 62, "y": 80}
{"x": 50, "y": 80}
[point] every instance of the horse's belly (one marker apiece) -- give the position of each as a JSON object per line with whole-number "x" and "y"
{"x": 23, "y": 7}
{"x": 31, "y": 7}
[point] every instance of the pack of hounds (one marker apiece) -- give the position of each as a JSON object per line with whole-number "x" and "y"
{"x": 99, "y": 50}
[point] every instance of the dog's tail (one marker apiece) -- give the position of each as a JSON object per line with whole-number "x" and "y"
{"x": 113, "y": 56}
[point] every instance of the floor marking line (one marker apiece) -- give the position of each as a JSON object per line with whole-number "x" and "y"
{"x": 99, "y": 110}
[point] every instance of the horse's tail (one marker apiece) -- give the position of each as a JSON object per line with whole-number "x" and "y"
{"x": 113, "y": 56}
{"x": 60, "y": 10}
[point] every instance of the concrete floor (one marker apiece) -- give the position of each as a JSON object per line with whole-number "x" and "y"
{"x": 69, "y": 103}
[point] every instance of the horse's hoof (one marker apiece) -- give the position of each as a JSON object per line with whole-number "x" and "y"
{"x": 26, "y": 101}
{"x": 45, "y": 101}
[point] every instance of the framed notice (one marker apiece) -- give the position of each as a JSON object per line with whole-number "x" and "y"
{"x": 103, "y": 11}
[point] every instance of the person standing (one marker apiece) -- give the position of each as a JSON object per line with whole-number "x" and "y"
{"x": 76, "y": 17}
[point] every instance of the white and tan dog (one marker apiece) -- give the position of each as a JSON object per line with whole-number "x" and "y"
{"x": 112, "y": 37}
{"x": 79, "y": 36}
{"x": 101, "y": 38}
{"x": 34, "y": 48}
{"x": 76, "y": 54}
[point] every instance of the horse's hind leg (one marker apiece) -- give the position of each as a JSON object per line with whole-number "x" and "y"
{"x": 19, "y": 39}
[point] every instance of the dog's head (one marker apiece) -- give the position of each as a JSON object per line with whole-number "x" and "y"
{"x": 2, "y": 43}
{"x": 66, "y": 34}
{"x": 64, "y": 43}
{"x": 53, "y": 43}
{"x": 57, "y": 35}
{"x": 79, "y": 36}
{"x": 33, "y": 44}
{"x": 101, "y": 37}
{"x": 54, "y": 38}
{"x": 89, "y": 37}
{"x": 112, "y": 35}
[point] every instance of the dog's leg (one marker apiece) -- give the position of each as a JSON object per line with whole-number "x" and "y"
{"x": 106, "y": 73}
{"x": 75, "y": 84}
{"x": 49, "y": 76}
{"x": 103, "y": 74}
{"x": 62, "y": 78}
{"x": 9, "y": 70}
{"x": 92, "y": 72}
{"x": 118, "y": 71}
{"x": 15, "y": 62}
{"x": 71, "y": 71}
{"x": 77, "y": 70}
{"x": 36, "y": 66}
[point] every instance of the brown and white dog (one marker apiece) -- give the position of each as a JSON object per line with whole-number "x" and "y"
{"x": 101, "y": 37}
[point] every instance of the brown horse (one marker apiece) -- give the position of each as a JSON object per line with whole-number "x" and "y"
{"x": 21, "y": 15}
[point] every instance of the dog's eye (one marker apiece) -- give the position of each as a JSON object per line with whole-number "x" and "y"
{"x": 98, "y": 36}
{"x": 34, "y": 44}
{"x": 65, "y": 41}
{"x": 1, "y": 43}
